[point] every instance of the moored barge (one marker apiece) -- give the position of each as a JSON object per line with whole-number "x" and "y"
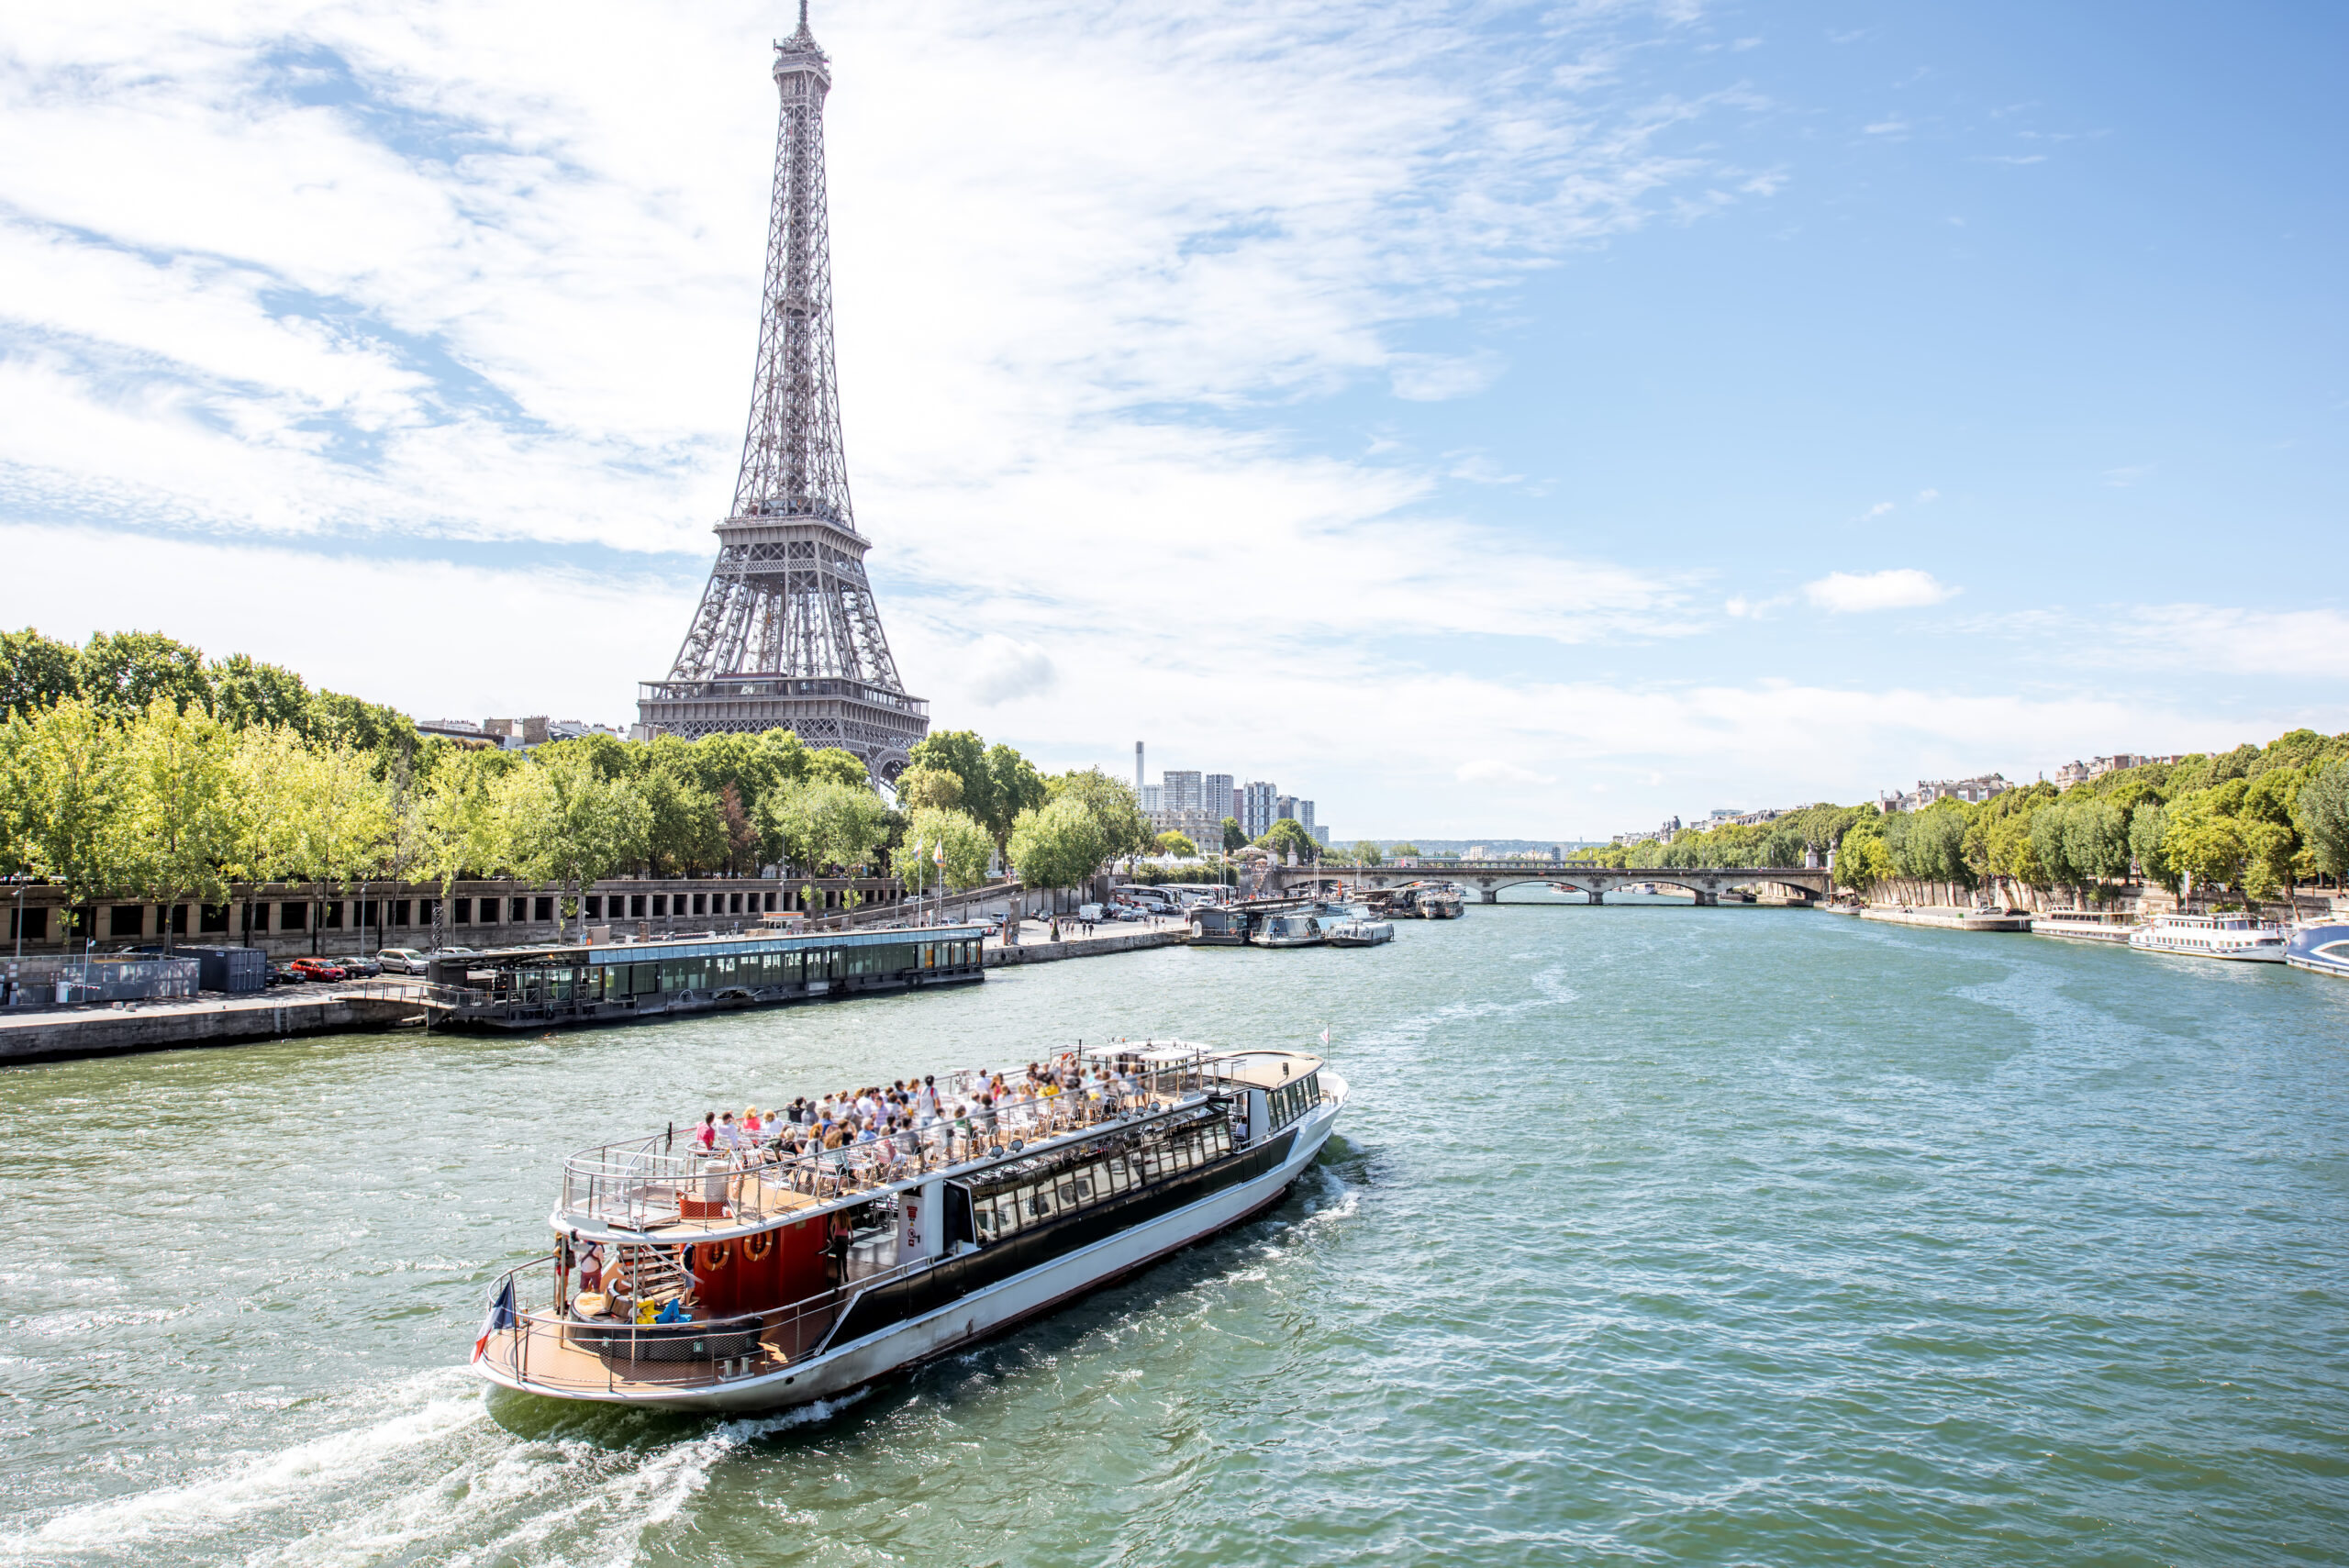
{"x": 537, "y": 987}
{"x": 760, "y": 1280}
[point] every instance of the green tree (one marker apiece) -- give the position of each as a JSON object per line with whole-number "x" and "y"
{"x": 66, "y": 788}
{"x": 1288, "y": 836}
{"x": 930, "y": 789}
{"x": 945, "y": 841}
{"x": 1058, "y": 844}
{"x": 1013, "y": 787}
{"x": 2096, "y": 839}
{"x": 1366, "y": 851}
{"x": 2205, "y": 839}
{"x": 833, "y": 765}
{"x": 124, "y": 671}
{"x": 826, "y": 823}
{"x": 1234, "y": 837}
{"x": 246, "y": 691}
{"x": 573, "y": 826}
{"x": 1115, "y": 808}
{"x": 1402, "y": 850}
{"x": 2321, "y": 812}
{"x": 337, "y": 819}
{"x": 688, "y": 836}
{"x": 36, "y": 672}
{"x": 2148, "y": 828}
{"x": 263, "y": 766}
{"x": 1862, "y": 859}
{"x": 176, "y": 819}
{"x": 1178, "y": 845}
{"x": 962, "y": 756}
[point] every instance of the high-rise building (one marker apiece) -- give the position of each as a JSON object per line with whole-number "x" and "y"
{"x": 1137, "y": 767}
{"x": 1180, "y": 789}
{"x": 787, "y": 635}
{"x": 1153, "y": 798}
{"x": 1255, "y": 811}
{"x": 1216, "y": 795}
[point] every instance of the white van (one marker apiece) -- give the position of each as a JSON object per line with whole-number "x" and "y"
{"x": 1088, "y": 912}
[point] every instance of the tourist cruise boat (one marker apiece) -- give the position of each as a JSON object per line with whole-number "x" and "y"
{"x": 2211, "y": 936}
{"x": 2087, "y": 925}
{"x": 2322, "y": 947}
{"x": 809, "y": 1277}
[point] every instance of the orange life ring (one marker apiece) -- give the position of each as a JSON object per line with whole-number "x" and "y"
{"x": 757, "y": 1245}
{"x": 713, "y": 1256}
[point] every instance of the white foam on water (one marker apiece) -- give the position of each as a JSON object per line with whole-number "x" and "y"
{"x": 262, "y": 1485}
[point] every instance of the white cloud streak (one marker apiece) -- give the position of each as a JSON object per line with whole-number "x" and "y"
{"x": 1897, "y": 589}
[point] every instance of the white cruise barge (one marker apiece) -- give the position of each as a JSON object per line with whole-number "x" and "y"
{"x": 2237, "y": 936}
{"x": 809, "y": 1277}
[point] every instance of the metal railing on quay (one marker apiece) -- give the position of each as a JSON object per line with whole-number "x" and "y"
{"x": 388, "y": 988}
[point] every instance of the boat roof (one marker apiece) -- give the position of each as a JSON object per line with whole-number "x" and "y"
{"x": 719, "y": 947}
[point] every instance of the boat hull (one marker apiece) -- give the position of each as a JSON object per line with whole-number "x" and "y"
{"x": 985, "y": 1312}
{"x": 2320, "y": 950}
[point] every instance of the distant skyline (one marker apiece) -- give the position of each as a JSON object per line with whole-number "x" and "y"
{"x": 1507, "y": 418}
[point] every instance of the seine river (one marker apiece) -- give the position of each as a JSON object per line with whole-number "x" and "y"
{"x": 1652, "y": 1235}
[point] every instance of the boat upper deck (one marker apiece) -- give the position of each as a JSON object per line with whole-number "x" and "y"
{"x": 651, "y": 1189}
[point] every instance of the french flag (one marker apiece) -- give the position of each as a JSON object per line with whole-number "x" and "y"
{"x": 501, "y": 1316}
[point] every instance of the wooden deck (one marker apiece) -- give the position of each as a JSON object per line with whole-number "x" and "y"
{"x": 545, "y": 1355}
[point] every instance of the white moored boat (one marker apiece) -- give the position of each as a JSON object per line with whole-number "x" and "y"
{"x": 2211, "y": 936}
{"x": 768, "y": 1279}
{"x": 2086, "y": 924}
{"x": 1360, "y": 933}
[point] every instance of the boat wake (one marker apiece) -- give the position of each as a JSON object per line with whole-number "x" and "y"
{"x": 437, "y": 1478}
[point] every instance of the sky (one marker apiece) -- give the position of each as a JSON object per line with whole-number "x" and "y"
{"x": 1482, "y": 420}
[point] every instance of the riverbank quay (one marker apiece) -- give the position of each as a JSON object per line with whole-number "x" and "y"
{"x": 1118, "y": 938}
{"x": 1945, "y": 919}
{"x": 108, "y": 1030}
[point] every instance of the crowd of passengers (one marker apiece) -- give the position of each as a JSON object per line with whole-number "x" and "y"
{"x": 880, "y": 1132}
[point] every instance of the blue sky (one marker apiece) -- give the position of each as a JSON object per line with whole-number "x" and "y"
{"x": 1489, "y": 419}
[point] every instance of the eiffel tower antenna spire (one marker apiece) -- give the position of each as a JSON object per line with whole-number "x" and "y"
{"x": 787, "y": 635}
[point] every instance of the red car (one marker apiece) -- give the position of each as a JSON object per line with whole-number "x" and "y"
{"x": 314, "y": 969}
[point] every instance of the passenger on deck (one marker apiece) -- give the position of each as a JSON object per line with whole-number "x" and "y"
{"x": 706, "y": 1135}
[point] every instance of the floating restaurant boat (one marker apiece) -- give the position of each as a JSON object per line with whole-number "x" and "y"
{"x": 1359, "y": 934}
{"x": 2321, "y": 949}
{"x": 2235, "y": 937}
{"x": 531, "y": 988}
{"x": 2086, "y": 925}
{"x": 758, "y": 1281}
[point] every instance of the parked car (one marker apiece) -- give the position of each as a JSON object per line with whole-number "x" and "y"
{"x": 314, "y": 969}
{"x": 358, "y": 966}
{"x": 402, "y": 961}
{"x": 279, "y": 976}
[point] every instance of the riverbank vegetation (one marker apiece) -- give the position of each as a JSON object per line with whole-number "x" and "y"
{"x": 2254, "y": 822}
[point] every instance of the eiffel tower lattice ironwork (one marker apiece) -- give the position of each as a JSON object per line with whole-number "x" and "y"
{"x": 787, "y": 635}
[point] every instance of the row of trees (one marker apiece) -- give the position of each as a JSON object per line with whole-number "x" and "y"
{"x": 2254, "y": 822}
{"x": 135, "y": 767}
{"x": 172, "y": 805}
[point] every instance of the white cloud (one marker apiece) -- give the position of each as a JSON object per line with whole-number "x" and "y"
{"x": 1007, "y": 669}
{"x": 1433, "y": 378}
{"x": 1492, "y": 771}
{"x": 1899, "y": 588}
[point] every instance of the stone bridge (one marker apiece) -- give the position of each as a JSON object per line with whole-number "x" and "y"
{"x": 1803, "y": 885}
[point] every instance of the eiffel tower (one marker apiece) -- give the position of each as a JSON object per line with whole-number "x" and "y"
{"x": 787, "y": 635}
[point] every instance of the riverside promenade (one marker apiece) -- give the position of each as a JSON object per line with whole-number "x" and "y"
{"x": 106, "y": 1030}
{"x": 1108, "y": 937}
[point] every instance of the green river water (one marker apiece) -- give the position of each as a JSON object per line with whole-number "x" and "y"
{"x": 1650, "y": 1235}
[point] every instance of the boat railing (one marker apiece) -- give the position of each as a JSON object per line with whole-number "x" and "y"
{"x": 646, "y": 1183}
{"x": 549, "y": 1346}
